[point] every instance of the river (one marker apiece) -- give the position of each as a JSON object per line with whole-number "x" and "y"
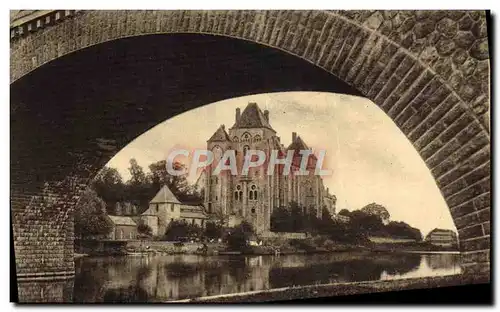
{"x": 156, "y": 278}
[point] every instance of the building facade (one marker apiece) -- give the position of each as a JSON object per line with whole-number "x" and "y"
{"x": 123, "y": 228}
{"x": 165, "y": 207}
{"x": 253, "y": 196}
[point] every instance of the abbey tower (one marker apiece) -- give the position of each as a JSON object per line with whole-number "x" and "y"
{"x": 253, "y": 197}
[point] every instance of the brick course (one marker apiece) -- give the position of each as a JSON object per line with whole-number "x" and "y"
{"x": 429, "y": 71}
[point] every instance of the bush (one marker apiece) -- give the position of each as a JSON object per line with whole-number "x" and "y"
{"x": 237, "y": 237}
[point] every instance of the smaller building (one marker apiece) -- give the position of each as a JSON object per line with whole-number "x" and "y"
{"x": 123, "y": 228}
{"x": 329, "y": 201}
{"x": 165, "y": 207}
{"x": 444, "y": 238}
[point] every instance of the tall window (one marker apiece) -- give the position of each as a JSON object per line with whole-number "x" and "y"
{"x": 238, "y": 194}
{"x": 253, "y": 194}
{"x": 172, "y": 208}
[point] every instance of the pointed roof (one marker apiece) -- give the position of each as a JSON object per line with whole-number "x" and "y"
{"x": 220, "y": 135}
{"x": 252, "y": 117}
{"x": 165, "y": 195}
{"x": 298, "y": 144}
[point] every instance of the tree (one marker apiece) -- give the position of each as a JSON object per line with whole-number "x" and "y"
{"x": 326, "y": 222}
{"x": 139, "y": 190}
{"x": 377, "y": 210}
{"x": 144, "y": 230}
{"x": 90, "y": 216}
{"x": 238, "y": 237}
{"x": 109, "y": 186}
{"x": 281, "y": 220}
{"x": 213, "y": 230}
{"x": 176, "y": 229}
{"x": 344, "y": 212}
{"x": 403, "y": 230}
{"x": 178, "y": 184}
{"x": 366, "y": 223}
{"x": 297, "y": 217}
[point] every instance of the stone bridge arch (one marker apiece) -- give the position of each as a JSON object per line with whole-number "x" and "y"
{"x": 428, "y": 70}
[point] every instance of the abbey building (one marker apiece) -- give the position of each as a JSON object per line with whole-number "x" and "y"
{"x": 253, "y": 197}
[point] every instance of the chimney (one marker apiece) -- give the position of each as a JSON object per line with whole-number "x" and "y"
{"x": 238, "y": 114}
{"x": 294, "y": 136}
{"x": 266, "y": 115}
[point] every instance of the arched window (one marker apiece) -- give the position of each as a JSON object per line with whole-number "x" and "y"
{"x": 121, "y": 234}
{"x": 235, "y": 139}
{"x": 252, "y": 193}
{"x": 245, "y": 149}
{"x": 238, "y": 194}
{"x": 257, "y": 138}
{"x": 246, "y": 137}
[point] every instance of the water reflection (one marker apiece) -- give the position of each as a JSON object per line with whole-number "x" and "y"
{"x": 161, "y": 278}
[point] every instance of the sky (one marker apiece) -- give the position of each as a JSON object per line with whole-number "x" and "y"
{"x": 370, "y": 158}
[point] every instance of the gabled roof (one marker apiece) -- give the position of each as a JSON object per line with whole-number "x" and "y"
{"x": 122, "y": 220}
{"x": 252, "y": 117}
{"x": 298, "y": 145}
{"x": 437, "y": 230}
{"x": 220, "y": 135}
{"x": 165, "y": 195}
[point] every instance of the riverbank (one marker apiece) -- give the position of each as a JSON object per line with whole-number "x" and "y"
{"x": 269, "y": 247}
{"x": 339, "y": 289}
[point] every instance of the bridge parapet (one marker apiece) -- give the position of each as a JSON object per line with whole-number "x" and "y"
{"x": 23, "y": 22}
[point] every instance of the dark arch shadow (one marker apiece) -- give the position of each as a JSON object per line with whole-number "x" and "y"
{"x": 119, "y": 89}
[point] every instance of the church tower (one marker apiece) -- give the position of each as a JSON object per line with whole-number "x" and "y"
{"x": 216, "y": 201}
{"x": 252, "y": 197}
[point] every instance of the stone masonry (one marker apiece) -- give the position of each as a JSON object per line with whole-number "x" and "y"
{"x": 428, "y": 70}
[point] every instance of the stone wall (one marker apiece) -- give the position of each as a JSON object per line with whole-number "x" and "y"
{"x": 429, "y": 71}
{"x": 283, "y": 235}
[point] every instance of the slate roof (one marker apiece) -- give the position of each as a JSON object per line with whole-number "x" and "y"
{"x": 252, "y": 117}
{"x": 442, "y": 231}
{"x": 220, "y": 135}
{"x": 165, "y": 195}
{"x": 122, "y": 220}
{"x": 188, "y": 211}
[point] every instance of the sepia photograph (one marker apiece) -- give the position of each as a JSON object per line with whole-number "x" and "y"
{"x": 248, "y": 156}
